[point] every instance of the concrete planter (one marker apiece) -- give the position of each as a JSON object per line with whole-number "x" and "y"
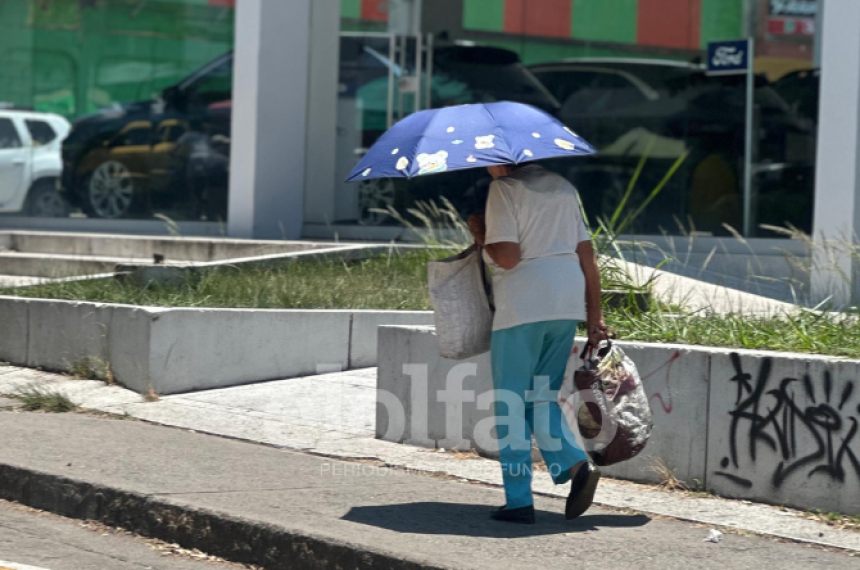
{"x": 766, "y": 426}
{"x": 178, "y": 350}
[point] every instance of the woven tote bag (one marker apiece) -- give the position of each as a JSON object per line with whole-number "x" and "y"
{"x": 462, "y": 304}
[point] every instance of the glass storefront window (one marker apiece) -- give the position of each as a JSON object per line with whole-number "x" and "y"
{"x": 138, "y": 95}
{"x": 784, "y": 165}
{"x": 629, "y": 76}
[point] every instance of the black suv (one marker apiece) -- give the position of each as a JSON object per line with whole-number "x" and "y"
{"x": 172, "y": 152}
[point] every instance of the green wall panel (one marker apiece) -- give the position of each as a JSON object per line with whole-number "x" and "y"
{"x": 485, "y": 15}
{"x": 350, "y": 9}
{"x": 721, "y": 20}
{"x": 74, "y": 59}
{"x": 605, "y": 20}
{"x": 59, "y": 14}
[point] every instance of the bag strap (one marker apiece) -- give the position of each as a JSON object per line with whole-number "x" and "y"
{"x": 488, "y": 289}
{"x": 588, "y": 351}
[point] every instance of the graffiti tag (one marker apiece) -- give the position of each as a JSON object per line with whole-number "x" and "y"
{"x": 783, "y": 417}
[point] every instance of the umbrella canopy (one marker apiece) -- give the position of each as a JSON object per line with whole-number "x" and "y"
{"x": 468, "y": 136}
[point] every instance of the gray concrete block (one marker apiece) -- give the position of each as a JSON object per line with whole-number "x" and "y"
{"x": 207, "y": 348}
{"x": 128, "y": 350}
{"x": 13, "y": 330}
{"x": 363, "y": 340}
{"x": 783, "y": 429}
{"x": 675, "y": 378}
{"x": 64, "y": 333}
{"x": 393, "y": 387}
{"x": 417, "y": 348}
{"x": 474, "y": 377}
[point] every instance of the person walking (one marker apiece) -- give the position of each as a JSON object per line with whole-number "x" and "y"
{"x": 545, "y": 282}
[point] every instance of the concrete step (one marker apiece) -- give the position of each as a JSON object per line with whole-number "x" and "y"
{"x": 124, "y": 246}
{"x": 54, "y": 266}
{"x": 19, "y": 280}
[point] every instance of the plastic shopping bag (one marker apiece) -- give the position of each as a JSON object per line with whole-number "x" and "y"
{"x": 605, "y": 402}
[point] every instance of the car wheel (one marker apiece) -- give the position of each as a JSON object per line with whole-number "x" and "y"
{"x": 44, "y": 201}
{"x": 375, "y": 195}
{"x": 109, "y": 191}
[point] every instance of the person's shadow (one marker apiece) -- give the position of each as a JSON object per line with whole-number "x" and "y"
{"x": 473, "y": 520}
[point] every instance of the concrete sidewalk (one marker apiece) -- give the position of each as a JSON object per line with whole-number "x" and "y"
{"x": 281, "y": 509}
{"x": 333, "y": 415}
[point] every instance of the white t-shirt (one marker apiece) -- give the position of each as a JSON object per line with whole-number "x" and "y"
{"x": 540, "y": 211}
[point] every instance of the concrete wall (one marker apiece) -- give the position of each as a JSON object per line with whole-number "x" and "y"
{"x": 177, "y": 350}
{"x": 784, "y": 429}
{"x": 199, "y": 349}
{"x": 772, "y": 427}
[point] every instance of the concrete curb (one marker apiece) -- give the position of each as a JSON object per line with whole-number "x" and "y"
{"x": 229, "y": 537}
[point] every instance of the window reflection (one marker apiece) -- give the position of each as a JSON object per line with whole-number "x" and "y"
{"x": 147, "y": 88}
{"x": 628, "y": 76}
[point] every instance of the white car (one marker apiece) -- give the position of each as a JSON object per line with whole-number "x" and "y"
{"x": 30, "y": 162}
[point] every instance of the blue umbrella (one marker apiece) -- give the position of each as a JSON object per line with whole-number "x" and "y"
{"x": 468, "y": 136}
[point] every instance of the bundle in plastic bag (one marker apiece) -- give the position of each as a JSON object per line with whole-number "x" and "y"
{"x": 462, "y": 304}
{"x": 604, "y": 401}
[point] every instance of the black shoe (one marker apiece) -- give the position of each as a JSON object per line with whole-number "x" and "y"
{"x": 582, "y": 489}
{"x": 522, "y": 515}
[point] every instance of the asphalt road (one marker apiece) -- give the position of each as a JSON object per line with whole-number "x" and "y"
{"x": 33, "y": 540}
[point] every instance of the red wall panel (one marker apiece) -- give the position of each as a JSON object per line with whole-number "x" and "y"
{"x": 541, "y": 18}
{"x": 670, "y": 23}
{"x": 374, "y": 10}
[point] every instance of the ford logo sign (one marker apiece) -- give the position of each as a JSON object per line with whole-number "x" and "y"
{"x": 728, "y": 57}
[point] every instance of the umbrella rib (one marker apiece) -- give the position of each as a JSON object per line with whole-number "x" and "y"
{"x": 498, "y": 130}
{"x": 418, "y": 141}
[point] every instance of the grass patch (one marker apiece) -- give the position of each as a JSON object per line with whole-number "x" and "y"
{"x": 399, "y": 282}
{"x": 394, "y": 282}
{"x": 838, "y": 520}
{"x": 803, "y": 331}
{"x": 37, "y": 400}
{"x": 93, "y": 368}
{"x": 668, "y": 480}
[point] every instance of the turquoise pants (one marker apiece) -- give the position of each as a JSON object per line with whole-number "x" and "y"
{"x": 528, "y": 364}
